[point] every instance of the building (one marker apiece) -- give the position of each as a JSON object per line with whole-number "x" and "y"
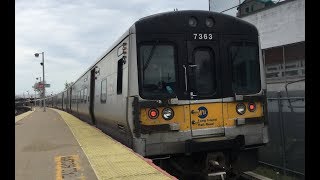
{"x": 281, "y": 28}
{"x": 282, "y": 33}
{"x": 250, "y": 6}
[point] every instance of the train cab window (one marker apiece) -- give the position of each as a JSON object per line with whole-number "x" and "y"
{"x": 245, "y": 68}
{"x": 157, "y": 70}
{"x": 103, "y": 95}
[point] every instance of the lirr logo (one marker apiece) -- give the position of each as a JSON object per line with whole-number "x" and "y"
{"x": 203, "y": 112}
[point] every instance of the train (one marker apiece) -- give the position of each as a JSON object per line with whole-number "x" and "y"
{"x": 186, "y": 87}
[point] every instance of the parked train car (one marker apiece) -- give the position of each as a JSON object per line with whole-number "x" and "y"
{"x": 179, "y": 84}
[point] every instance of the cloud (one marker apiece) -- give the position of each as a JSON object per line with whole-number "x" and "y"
{"x": 74, "y": 33}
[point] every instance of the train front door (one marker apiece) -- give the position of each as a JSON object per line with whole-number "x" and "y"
{"x": 204, "y": 74}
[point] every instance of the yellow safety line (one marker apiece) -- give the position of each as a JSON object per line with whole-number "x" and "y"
{"x": 58, "y": 168}
{"x": 108, "y": 158}
{"x": 23, "y": 115}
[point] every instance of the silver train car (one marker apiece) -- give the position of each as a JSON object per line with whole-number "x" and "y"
{"x": 181, "y": 85}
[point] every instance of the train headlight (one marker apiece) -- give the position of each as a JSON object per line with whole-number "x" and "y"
{"x": 209, "y": 22}
{"x": 193, "y": 22}
{"x": 241, "y": 108}
{"x": 167, "y": 113}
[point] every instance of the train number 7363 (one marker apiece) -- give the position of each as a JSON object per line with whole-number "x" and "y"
{"x": 203, "y": 36}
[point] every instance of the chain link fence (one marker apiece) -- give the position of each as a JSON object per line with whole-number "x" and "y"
{"x": 286, "y": 114}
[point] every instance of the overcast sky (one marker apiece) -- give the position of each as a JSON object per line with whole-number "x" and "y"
{"x": 74, "y": 33}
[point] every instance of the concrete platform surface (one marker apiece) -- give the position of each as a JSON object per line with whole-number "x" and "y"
{"x": 44, "y": 145}
{"x": 57, "y": 145}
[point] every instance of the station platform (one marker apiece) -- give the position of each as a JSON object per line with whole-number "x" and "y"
{"x": 57, "y": 145}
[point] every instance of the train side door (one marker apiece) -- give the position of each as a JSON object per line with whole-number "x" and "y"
{"x": 204, "y": 75}
{"x": 91, "y": 97}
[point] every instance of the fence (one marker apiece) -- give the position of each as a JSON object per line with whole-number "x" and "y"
{"x": 286, "y": 114}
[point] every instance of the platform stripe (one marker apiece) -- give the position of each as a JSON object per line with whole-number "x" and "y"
{"x": 109, "y": 158}
{"x": 23, "y": 115}
{"x": 68, "y": 167}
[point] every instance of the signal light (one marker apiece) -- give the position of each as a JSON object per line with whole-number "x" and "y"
{"x": 193, "y": 22}
{"x": 209, "y": 22}
{"x": 252, "y": 107}
{"x": 153, "y": 113}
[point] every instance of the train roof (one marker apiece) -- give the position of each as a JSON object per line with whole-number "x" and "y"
{"x": 167, "y": 21}
{"x": 178, "y": 22}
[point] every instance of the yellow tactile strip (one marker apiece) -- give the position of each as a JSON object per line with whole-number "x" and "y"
{"x": 109, "y": 158}
{"x": 23, "y": 115}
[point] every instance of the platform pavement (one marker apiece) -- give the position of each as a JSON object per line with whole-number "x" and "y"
{"x": 56, "y": 145}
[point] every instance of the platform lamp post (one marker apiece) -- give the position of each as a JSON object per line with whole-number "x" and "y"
{"x": 44, "y": 88}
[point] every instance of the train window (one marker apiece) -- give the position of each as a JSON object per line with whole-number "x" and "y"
{"x": 82, "y": 99}
{"x": 85, "y": 95}
{"x": 204, "y": 73}
{"x": 103, "y": 95}
{"x": 245, "y": 68}
{"x": 79, "y": 97}
{"x": 119, "y": 76}
{"x": 157, "y": 64}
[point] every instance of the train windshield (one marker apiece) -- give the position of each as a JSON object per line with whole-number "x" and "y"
{"x": 157, "y": 64}
{"x": 245, "y": 68}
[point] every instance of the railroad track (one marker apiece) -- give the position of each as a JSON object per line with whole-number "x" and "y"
{"x": 249, "y": 175}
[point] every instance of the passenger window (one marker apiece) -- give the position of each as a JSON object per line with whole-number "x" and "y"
{"x": 85, "y": 95}
{"x": 82, "y": 92}
{"x": 79, "y": 97}
{"x": 103, "y": 95}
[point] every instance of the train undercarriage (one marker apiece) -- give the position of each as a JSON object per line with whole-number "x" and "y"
{"x": 229, "y": 164}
